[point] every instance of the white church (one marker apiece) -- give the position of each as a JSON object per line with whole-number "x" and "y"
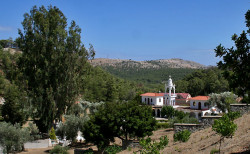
{"x": 160, "y": 99}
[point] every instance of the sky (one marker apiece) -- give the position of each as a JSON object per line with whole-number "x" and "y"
{"x": 143, "y": 29}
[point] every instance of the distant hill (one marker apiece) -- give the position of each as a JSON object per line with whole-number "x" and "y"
{"x": 151, "y": 73}
{"x": 157, "y": 64}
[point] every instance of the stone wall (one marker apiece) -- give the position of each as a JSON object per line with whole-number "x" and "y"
{"x": 191, "y": 127}
{"x": 242, "y": 108}
{"x": 208, "y": 121}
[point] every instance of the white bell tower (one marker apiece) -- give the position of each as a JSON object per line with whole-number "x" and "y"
{"x": 170, "y": 97}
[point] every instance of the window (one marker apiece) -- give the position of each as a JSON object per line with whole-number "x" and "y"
{"x": 159, "y": 100}
{"x": 151, "y": 100}
{"x": 193, "y": 103}
{"x": 145, "y": 100}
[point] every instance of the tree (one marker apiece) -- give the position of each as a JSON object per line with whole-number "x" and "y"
{"x": 13, "y": 137}
{"x": 222, "y": 100}
{"x": 225, "y": 126}
{"x": 167, "y": 111}
{"x": 52, "y": 62}
{"x": 13, "y": 110}
{"x": 125, "y": 120}
{"x": 236, "y": 61}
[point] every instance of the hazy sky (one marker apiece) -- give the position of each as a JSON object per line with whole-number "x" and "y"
{"x": 143, "y": 29}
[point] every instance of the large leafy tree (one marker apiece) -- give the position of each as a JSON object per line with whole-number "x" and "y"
{"x": 236, "y": 61}
{"x": 52, "y": 62}
{"x": 125, "y": 120}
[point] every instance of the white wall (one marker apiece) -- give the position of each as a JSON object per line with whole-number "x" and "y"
{"x": 155, "y": 100}
{"x": 196, "y": 106}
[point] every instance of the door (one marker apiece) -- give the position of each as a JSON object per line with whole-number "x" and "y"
{"x": 199, "y": 106}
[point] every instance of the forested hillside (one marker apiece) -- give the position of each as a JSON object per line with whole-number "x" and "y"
{"x": 152, "y": 73}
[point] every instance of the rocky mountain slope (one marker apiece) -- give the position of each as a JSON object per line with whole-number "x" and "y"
{"x": 157, "y": 64}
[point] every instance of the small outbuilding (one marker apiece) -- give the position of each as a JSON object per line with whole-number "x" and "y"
{"x": 199, "y": 102}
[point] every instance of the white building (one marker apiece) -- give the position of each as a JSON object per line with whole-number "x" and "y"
{"x": 170, "y": 97}
{"x": 199, "y": 102}
{"x": 160, "y": 99}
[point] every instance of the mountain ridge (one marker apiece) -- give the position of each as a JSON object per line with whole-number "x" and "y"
{"x": 157, "y": 64}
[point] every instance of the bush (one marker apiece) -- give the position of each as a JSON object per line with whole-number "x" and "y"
{"x": 161, "y": 125}
{"x": 12, "y": 137}
{"x": 59, "y": 150}
{"x": 167, "y": 111}
{"x": 182, "y": 136}
{"x": 113, "y": 149}
{"x": 34, "y": 131}
{"x": 153, "y": 148}
{"x": 52, "y": 134}
{"x": 180, "y": 114}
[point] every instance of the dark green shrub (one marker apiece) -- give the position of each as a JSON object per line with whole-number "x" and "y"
{"x": 113, "y": 149}
{"x": 182, "y": 136}
{"x": 180, "y": 114}
{"x": 59, "y": 150}
{"x": 89, "y": 151}
{"x": 167, "y": 111}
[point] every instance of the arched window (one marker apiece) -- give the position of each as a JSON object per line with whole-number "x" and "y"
{"x": 151, "y": 100}
{"x": 148, "y": 101}
{"x": 194, "y": 103}
{"x": 145, "y": 100}
{"x": 159, "y": 100}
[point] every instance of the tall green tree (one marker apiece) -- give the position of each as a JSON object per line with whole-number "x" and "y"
{"x": 126, "y": 120}
{"x": 236, "y": 61}
{"x": 52, "y": 62}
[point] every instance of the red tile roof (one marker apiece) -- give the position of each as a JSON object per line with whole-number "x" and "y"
{"x": 153, "y": 94}
{"x": 183, "y": 95}
{"x": 202, "y": 98}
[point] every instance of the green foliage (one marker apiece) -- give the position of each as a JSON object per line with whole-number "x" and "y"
{"x": 113, "y": 149}
{"x": 149, "y": 77}
{"x": 53, "y": 62}
{"x": 13, "y": 109}
{"x": 235, "y": 61}
{"x": 225, "y": 126}
{"x": 203, "y": 82}
{"x": 102, "y": 86}
{"x": 52, "y": 134}
{"x": 34, "y": 131}
{"x": 153, "y": 148}
{"x": 182, "y": 136}
{"x": 71, "y": 127}
{"x": 222, "y": 100}
{"x": 160, "y": 125}
{"x": 59, "y": 150}
{"x": 180, "y": 114}
{"x": 120, "y": 119}
{"x": 214, "y": 151}
{"x": 167, "y": 111}
{"x": 12, "y": 138}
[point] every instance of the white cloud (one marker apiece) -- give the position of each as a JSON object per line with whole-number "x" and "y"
{"x": 2, "y": 28}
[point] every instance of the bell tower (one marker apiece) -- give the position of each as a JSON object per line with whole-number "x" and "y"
{"x": 170, "y": 97}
